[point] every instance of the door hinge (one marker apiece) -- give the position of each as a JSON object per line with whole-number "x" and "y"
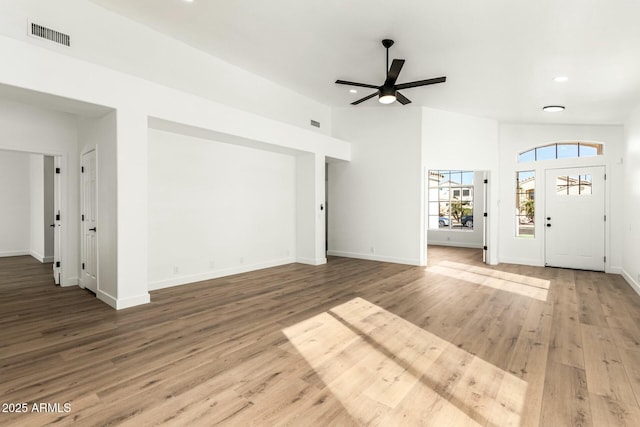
{"x": 83, "y": 265}
{"x": 605, "y": 217}
{"x": 605, "y": 259}
{"x": 57, "y": 170}
{"x": 81, "y": 169}
{"x": 484, "y": 247}
{"x": 485, "y": 214}
{"x": 83, "y": 217}
{"x": 486, "y": 181}
{"x": 57, "y": 264}
{"x": 605, "y": 176}
{"x": 58, "y": 216}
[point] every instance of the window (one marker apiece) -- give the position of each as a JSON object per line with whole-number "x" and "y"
{"x": 451, "y": 200}
{"x": 573, "y": 185}
{"x": 525, "y": 203}
{"x": 561, "y": 150}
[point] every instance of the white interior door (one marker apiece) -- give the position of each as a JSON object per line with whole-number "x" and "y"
{"x": 89, "y": 219}
{"x": 575, "y": 218}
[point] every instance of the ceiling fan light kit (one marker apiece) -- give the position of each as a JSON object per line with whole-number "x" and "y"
{"x": 553, "y": 108}
{"x": 388, "y": 91}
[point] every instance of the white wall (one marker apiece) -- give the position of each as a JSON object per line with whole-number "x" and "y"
{"x": 100, "y": 135}
{"x": 31, "y": 129}
{"x": 105, "y": 38}
{"x": 515, "y": 138}
{"x": 14, "y": 209}
{"x": 631, "y": 204}
{"x": 376, "y": 199}
{"x": 217, "y": 209}
{"x": 135, "y": 101}
{"x": 36, "y": 207}
{"x": 462, "y": 142}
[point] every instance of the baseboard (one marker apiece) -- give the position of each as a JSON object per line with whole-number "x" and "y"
{"x": 107, "y": 298}
{"x": 374, "y": 257}
{"x": 37, "y": 256}
{"x": 613, "y": 270}
{"x": 70, "y": 281}
{"x": 47, "y": 260}
{"x": 521, "y": 261}
{"x": 192, "y": 278}
{"x": 634, "y": 285}
{"x": 14, "y": 253}
{"x": 310, "y": 261}
{"x": 456, "y": 244}
{"x": 122, "y": 303}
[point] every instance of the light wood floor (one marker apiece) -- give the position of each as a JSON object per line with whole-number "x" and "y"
{"x": 350, "y": 343}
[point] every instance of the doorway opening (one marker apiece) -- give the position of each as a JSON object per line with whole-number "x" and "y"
{"x": 30, "y": 225}
{"x": 456, "y": 211}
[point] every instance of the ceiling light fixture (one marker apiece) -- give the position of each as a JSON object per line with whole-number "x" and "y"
{"x": 553, "y": 108}
{"x": 387, "y": 95}
{"x": 561, "y": 79}
{"x": 353, "y": 91}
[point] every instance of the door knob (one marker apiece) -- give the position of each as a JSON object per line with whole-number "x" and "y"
{"x": 548, "y": 218}
{"x": 548, "y": 225}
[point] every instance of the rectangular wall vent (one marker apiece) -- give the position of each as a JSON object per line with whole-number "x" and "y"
{"x": 47, "y": 33}
{"x": 315, "y": 123}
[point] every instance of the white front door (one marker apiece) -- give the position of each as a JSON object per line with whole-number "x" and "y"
{"x": 575, "y": 218}
{"x": 89, "y": 218}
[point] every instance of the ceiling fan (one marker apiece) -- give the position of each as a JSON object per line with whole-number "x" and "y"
{"x": 388, "y": 92}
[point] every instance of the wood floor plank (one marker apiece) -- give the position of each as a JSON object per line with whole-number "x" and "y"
{"x": 348, "y": 343}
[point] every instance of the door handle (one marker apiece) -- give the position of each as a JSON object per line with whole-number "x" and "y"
{"x": 92, "y": 229}
{"x": 548, "y": 218}
{"x": 548, "y": 225}
{"x": 52, "y": 225}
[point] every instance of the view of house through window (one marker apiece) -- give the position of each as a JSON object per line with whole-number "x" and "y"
{"x": 451, "y": 199}
{"x": 525, "y": 203}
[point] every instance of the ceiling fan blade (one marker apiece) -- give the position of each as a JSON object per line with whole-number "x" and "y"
{"x": 394, "y": 72}
{"x": 364, "y": 99}
{"x": 421, "y": 83}
{"x": 344, "y": 82}
{"x": 402, "y": 99}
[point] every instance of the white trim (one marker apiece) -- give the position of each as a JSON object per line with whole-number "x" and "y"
{"x": 371, "y": 257}
{"x": 634, "y": 285}
{"x": 47, "y": 260}
{"x": 120, "y": 304}
{"x": 521, "y": 261}
{"x": 107, "y": 298}
{"x": 192, "y": 278}
{"x": 70, "y": 281}
{"x": 15, "y": 253}
{"x": 133, "y": 301}
{"x": 37, "y": 256}
{"x": 456, "y": 244}
{"x": 613, "y": 270}
{"x": 310, "y": 261}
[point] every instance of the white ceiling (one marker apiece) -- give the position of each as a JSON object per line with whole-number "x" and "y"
{"x": 499, "y": 56}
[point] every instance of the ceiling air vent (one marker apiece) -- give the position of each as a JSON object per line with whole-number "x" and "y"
{"x": 47, "y": 33}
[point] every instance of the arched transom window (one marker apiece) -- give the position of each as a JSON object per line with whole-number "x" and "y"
{"x": 561, "y": 150}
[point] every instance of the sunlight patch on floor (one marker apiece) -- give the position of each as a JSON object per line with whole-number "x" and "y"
{"x": 515, "y": 283}
{"x": 387, "y": 371}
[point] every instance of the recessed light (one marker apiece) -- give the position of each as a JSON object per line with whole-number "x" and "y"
{"x": 353, "y": 91}
{"x": 561, "y": 79}
{"x": 553, "y": 108}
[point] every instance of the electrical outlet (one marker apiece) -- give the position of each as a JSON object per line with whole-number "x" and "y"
{"x": 241, "y": 260}
{"x": 176, "y": 270}
{"x": 372, "y": 249}
{"x": 448, "y": 238}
